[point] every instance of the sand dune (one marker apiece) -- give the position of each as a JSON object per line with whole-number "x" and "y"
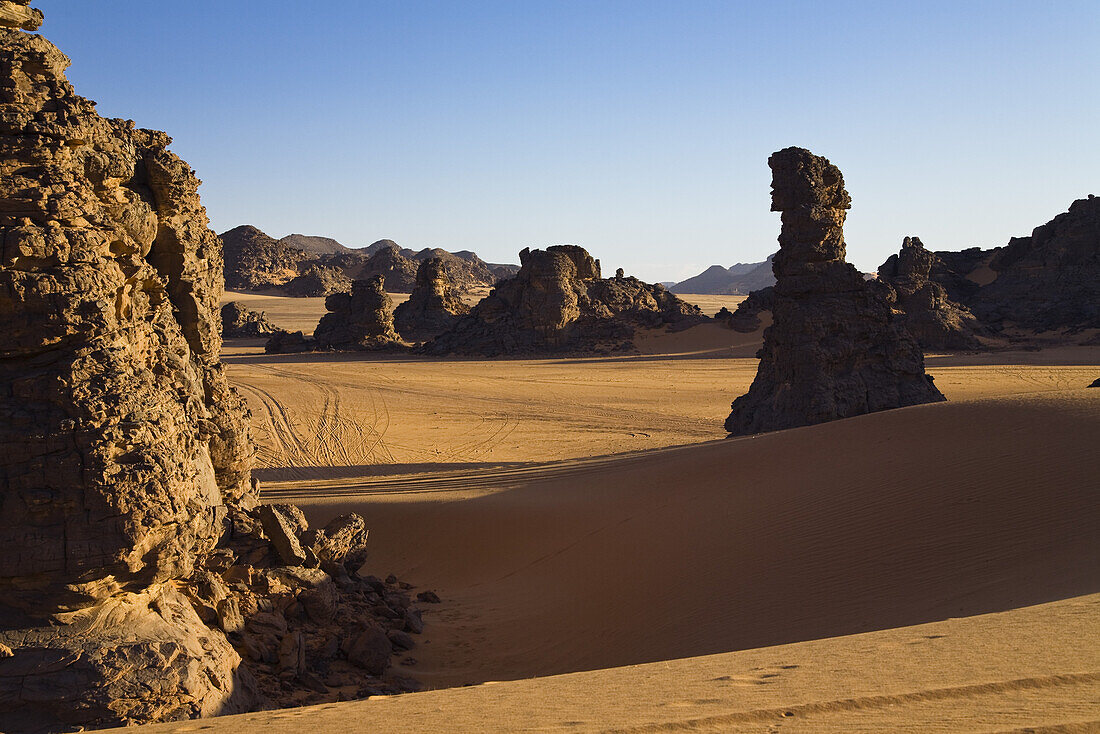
{"x": 886, "y": 520}
{"x": 1035, "y": 670}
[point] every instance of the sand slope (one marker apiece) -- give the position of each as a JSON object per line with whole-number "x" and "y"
{"x": 881, "y": 521}
{"x": 1035, "y": 669}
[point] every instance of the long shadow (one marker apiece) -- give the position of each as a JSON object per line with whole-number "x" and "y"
{"x": 367, "y": 471}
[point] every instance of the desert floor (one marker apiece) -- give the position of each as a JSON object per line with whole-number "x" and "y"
{"x": 588, "y": 514}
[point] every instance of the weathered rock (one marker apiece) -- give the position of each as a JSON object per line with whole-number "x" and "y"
{"x": 835, "y": 348}
{"x": 360, "y": 320}
{"x": 401, "y": 640}
{"x": 16, "y": 14}
{"x": 398, "y": 273}
{"x": 433, "y": 307}
{"x": 318, "y": 281}
{"x": 254, "y": 261}
{"x": 282, "y": 524}
{"x": 558, "y": 303}
{"x": 746, "y": 317}
{"x": 369, "y": 648}
{"x": 289, "y": 342}
{"x": 931, "y": 317}
{"x": 240, "y": 322}
{"x": 343, "y": 541}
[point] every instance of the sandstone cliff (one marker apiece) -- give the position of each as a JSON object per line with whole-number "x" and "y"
{"x": 836, "y": 348}
{"x": 558, "y": 303}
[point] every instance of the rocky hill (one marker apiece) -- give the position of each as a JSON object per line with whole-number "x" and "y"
{"x": 315, "y": 245}
{"x": 559, "y": 303}
{"x": 736, "y": 280}
{"x": 256, "y": 261}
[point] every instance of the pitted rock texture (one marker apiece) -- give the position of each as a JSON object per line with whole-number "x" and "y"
{"x": 559, "y": 304}
{"x": 360, "y": 320}
{"x": 241, "y": 322}
{"x": 318, "y": 281}
{"x": 255, "y": 261}
{"x": 16, "y": 14}
{"x": 123, "y": 447}
{"x": 434, "y": 305}
{"x": 836, "y": 348}
{"x": 931, "y": 317}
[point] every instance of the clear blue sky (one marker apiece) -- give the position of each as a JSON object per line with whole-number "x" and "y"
{"x": 639, "y": 130}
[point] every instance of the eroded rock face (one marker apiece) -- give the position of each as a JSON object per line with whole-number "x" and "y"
{"x": 123, "y": 447}
{"x": 835, "y": 348}
{"x": 241, "y": 322}
{"x": 1050, "y": 280}
{"x": 558, "y": 303}
{"x": 931, "y": 317}
{"x": 398, "y": 272}
{"x": 16, "y": 14}
{"x": 434, "y": 305}
{"x": 360, "y": 320}
{"x": 746, "y": 317}
{"x": 255, "y": 261}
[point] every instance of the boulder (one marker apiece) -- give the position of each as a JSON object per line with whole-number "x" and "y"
{"x": 240, "y": 322}
{"x": 369, "y": 648}
{"x": 836, "y": 348}
{"x": 289, "y": 342}
{"x": 282, "y": 524}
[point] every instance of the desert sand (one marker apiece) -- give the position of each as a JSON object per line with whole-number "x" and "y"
{"x": 587, "y": 514}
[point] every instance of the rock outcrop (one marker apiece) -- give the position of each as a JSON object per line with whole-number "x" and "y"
{"x": 433, "y": 307}
{"x": 123, "y": 446}
{"x": 318, "y": 281}
{"x": 558, "y": 303}
{"x": 1050, "y": 280}
{"x": 137, "y": 580}
{"x": 398, "y": 272}
{"x": 936, "y": 322}
{"x": 360, "y": 320}
{"x": 255, "y": 261}
{"x": 289, "y": 342}
{"x": 241, "y": 322}
{"x": 746, "y": 317}
{"x": 836, "y": 348}
{"x": 16, "y": 14}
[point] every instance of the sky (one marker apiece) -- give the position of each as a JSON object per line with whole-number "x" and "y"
{"x": 639, "y": 130}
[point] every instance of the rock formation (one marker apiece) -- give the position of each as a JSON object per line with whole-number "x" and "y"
{"x": 255, "y": 262}
{"x": 433, "y": 307}
{"x": 360, "y": 320}
{"x": 16, "y": 14}
{"x": 1050, "y": 280}
{"x": 932, "y": 318}
{"x": 123, "y": 446}
{"x": 398, "y": 272}
{"x": 240, "y": 322}
{"x": 737, "y": 280}
{"x": 318, "y": 281}
{"x": 135, "y": 567}
{"x": 558, "y": 303}
{"x": 289, "y": 342}
{"x": 746, "y": 318}
{"x": 835, "y": 348}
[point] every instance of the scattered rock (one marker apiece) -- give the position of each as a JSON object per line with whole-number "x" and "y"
{"x": 433, "y": 307}
{"x": 281, "y": 525}
{"x": 400, "y": 640}
{"x": 930, "y": 316}
{"x": 836, "y": 348}
{"x": 360, "y": 320}
{"x": 240, "y": 322}
{"x": 428, "y": 597}
{"x": 370, "y": 649}
{"x": 558, "y": 303}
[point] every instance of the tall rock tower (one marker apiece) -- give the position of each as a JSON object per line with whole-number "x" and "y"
{"x": 836, "y": 349}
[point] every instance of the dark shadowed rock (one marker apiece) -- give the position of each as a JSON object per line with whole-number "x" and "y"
{"x": 746, "y": 317}
{"x": 369, "y": 648}
{"x": 398, "y": 272}
{"x": 835, "y": 348}
{"x": 434, "y": 305}
{"x": 360, "y": 320}
{"x": 289, "y": 342}
{"x": 318, "y": 281}
{"x": 558, "y": 303}
{"x": 1095, "y": 383}
{"x": 255, "y": 262}
{"x": 932, "y": 318}
{"x": 241, "y": 322}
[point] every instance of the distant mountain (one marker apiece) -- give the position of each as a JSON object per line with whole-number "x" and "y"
{"x": 316, "y": 245}
{"x": 736, "y": 280}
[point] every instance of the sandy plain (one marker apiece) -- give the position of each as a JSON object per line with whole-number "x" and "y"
{"x": 587, "y": 514}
